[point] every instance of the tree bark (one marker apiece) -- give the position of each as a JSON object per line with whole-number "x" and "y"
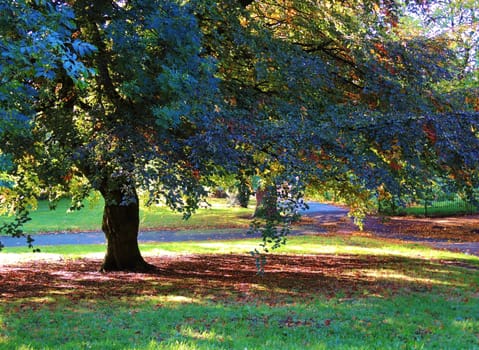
{"x": 120, "y": 225}
{"x": 260, "y": 193}
{"x": 266, "y": 199}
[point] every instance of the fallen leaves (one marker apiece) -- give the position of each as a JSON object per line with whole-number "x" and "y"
{"x": 453, "y": 229}
{"x": 217, "y": 278}
{"x": 223, "y": 278}
{"x": 459, "y": 233}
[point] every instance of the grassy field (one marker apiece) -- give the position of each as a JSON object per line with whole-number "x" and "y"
{"x": 219, "y": 215}
{"x": 318, "y": 292}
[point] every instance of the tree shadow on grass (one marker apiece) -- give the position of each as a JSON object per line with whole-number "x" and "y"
{"x": 218, "y": 301}
{"x": 233, "y": 278}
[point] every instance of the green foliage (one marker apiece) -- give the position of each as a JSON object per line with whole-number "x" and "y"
{"x": 278, "y": 210}
{"x": 342, "y": 95}
{"x": 90, "y": 112}
{"x": 244, "y": 191}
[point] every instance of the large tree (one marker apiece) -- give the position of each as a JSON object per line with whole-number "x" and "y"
{"x": 119, "y": 96}
{"x": 138, "y": 109}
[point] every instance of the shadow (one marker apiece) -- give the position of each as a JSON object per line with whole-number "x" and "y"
{"x": 122, "y": 311}
{"x": 222, "y": 277}
{"x": 453, "y": 229}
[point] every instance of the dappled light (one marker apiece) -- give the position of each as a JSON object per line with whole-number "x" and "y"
{"x": 137, "y": 112}
{"x": 218, "y": 300}
{"x": 406, "y": 278}
{"x": 196, "y": 278}
{"x": 460, "y": 234}
{"x": 341, "y": 285}
{"x": 156, "y": 324}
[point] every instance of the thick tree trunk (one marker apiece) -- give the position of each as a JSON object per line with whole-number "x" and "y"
{"x": 120, "y": 225}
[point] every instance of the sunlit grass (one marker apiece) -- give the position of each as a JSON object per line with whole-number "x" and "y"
{"x": 333, "y": 245}
{"x": 412, "y": 321}
{"x": 219, "y": 215}
{"x": 404, "y": 276}
{"x": 432, "y": 304}
{"x": 358, "y": 245}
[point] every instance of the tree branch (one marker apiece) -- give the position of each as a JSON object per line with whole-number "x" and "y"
{"x": 103, "y": 76}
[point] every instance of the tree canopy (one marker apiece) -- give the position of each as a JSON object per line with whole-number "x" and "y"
{"x": 162, "y": 96}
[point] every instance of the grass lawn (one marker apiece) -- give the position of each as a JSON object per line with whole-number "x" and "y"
{"x": 154, "y": 217}
{"x": 318, "y": 292}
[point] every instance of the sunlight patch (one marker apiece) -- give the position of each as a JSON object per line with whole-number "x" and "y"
{"x": 226, "y": 247}
{"x": 395, "y": 275}
{"x": 312, "y": 249}
{"x": 466, "y": 324}
{"x": 158, "y": 252}
{"x": 165, "y": 301}
{"x": 14, "y": 258}
{"x": 3, "y": 338}
{"x": 41, "y": 300}
{"x": 199, "y": 334}
{"x": 98, "y": 255}
{"x": 179, "y": 299}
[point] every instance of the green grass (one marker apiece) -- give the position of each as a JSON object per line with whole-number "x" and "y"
{"x": 423, "y": 303}
{"x": 334, "y": 245}
{"x": 416, "y": 321}
{"x": 154, "y": 217}
{"x": 406, "y": 296}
